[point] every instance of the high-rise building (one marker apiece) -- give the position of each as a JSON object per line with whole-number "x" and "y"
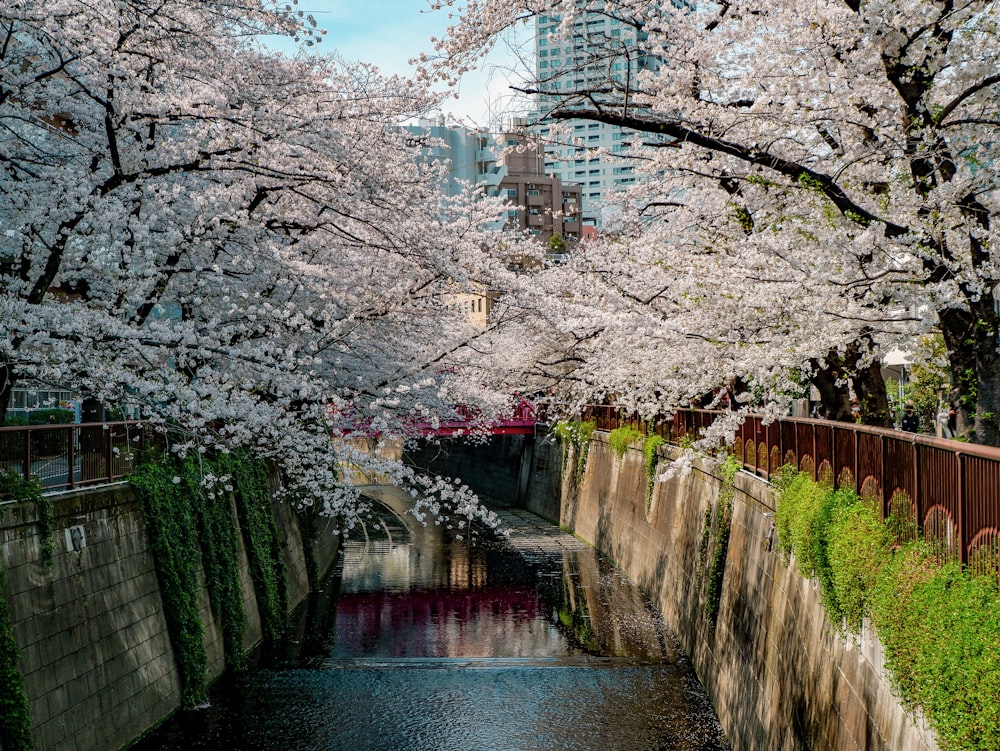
{"x": 598, "y": 53}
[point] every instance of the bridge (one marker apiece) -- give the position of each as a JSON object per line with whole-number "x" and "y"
{"x": 466, "y": 421}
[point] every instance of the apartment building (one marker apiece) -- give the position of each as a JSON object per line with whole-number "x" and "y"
{"x": 548, "y": 206}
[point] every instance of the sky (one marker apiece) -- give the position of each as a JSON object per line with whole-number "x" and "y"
{"x": 388, "y": 33}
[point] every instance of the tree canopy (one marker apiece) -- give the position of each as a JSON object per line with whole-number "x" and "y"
{"x": 238, "y": 242}
{"x": 820, "y": 187}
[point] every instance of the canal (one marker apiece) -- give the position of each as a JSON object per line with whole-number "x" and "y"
{"x": 426, "y": 641}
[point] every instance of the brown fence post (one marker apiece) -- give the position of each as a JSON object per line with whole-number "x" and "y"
{"x": 71, "y": 457}
{"x": 26, "y": 457}
{"x": 963, "y": 552}
{"x": 108, "y": 453}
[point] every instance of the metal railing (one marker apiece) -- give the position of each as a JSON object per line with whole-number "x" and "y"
{"x": 63, "y": 457}
{"x": 948, "y": 490}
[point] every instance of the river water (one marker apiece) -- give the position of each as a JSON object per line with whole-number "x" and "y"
{"x": 425, "y": 642}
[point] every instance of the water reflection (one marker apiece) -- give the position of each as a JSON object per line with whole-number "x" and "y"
{"x": 438, "y": 644}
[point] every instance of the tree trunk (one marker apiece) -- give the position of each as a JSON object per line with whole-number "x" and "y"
{"x": 869, "y": 387}
{"x": 833, "y": 390}
{"x": 971, "y": 339}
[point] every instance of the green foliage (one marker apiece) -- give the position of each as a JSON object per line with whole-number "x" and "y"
{"x": 260, "y": 531}
{"x": 939, "y": 624}
{"x": 51, "y": 417}
{"x": 717, "y": 528}
{"x": 800, "y": 503}
{"x": 14, "y": 487}
{"x": 15, "y": 717}
{"x": 929, "y": 379}
{"x": 557, "y": 243}
{"x": 621, "y": 438}
{"x": 810, "y": 183}
{"x": 173, "y": 538}
{"x": 743, "y": 218}
{"x": 575, "y": 433}
{"x": 940, "y": 628}
{"x": 189, "y": 513}
{"x": 858, "y": 546}
{"x": 213, "y": 510}
{"x": 649, "y": 452}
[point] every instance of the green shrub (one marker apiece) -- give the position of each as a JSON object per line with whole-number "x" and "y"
{"x": 858, "y": 547}
{"x": 575, "y": 433}
{"x": 51, "y": 417}
{"x": 621, "y": 438}
{"x": 939, "y": 624}
{"x": 940, "y": 627}
{"x": 796, "y": 519}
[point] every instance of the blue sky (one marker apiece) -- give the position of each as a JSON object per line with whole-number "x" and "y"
{"x": 387, "y": 33}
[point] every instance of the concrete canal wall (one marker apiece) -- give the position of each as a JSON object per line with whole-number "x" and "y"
{"x": 95, "y": 654}
{"x": 779, "y": 675}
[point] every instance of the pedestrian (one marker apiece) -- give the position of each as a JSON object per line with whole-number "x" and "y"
{"x": 911, "y": 421}
{"x": 942, "y": 422}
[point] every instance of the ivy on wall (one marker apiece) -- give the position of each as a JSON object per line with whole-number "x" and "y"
{"x": 260, "y": 533}
{"x": 206, "y": 481}
{"x": 576, "y": 433}
{"x": 938, "y": 623}
{"x": 173, "y": 539}
{"x": 715, "y": 538}
{"x": 15, "y": 718}
{"x": 189, "y": 505}
{"x": 14, "y": 487}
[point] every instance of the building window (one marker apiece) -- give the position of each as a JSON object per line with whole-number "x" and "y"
{"x": 533, "y": 192}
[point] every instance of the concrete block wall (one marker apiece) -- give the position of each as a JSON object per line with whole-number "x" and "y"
{"x": 495, "y": 469}
{"x": 95, "y": 652}
{"x": 780, "y": 676}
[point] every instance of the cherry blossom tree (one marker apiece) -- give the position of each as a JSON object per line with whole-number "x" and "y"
{"x": 238, "y": 242}
{"x": 821, "y": 186}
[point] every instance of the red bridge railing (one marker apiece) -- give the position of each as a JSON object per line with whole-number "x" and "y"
{"x": 63, "y": 457}
{"x": 948, "y": 490}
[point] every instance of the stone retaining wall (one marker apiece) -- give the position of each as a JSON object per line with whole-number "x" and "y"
{"x": 779, "y": 675}
{"x": 95, "y": 653}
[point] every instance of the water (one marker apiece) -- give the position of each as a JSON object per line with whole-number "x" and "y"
{"x": 432, "y": 644}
